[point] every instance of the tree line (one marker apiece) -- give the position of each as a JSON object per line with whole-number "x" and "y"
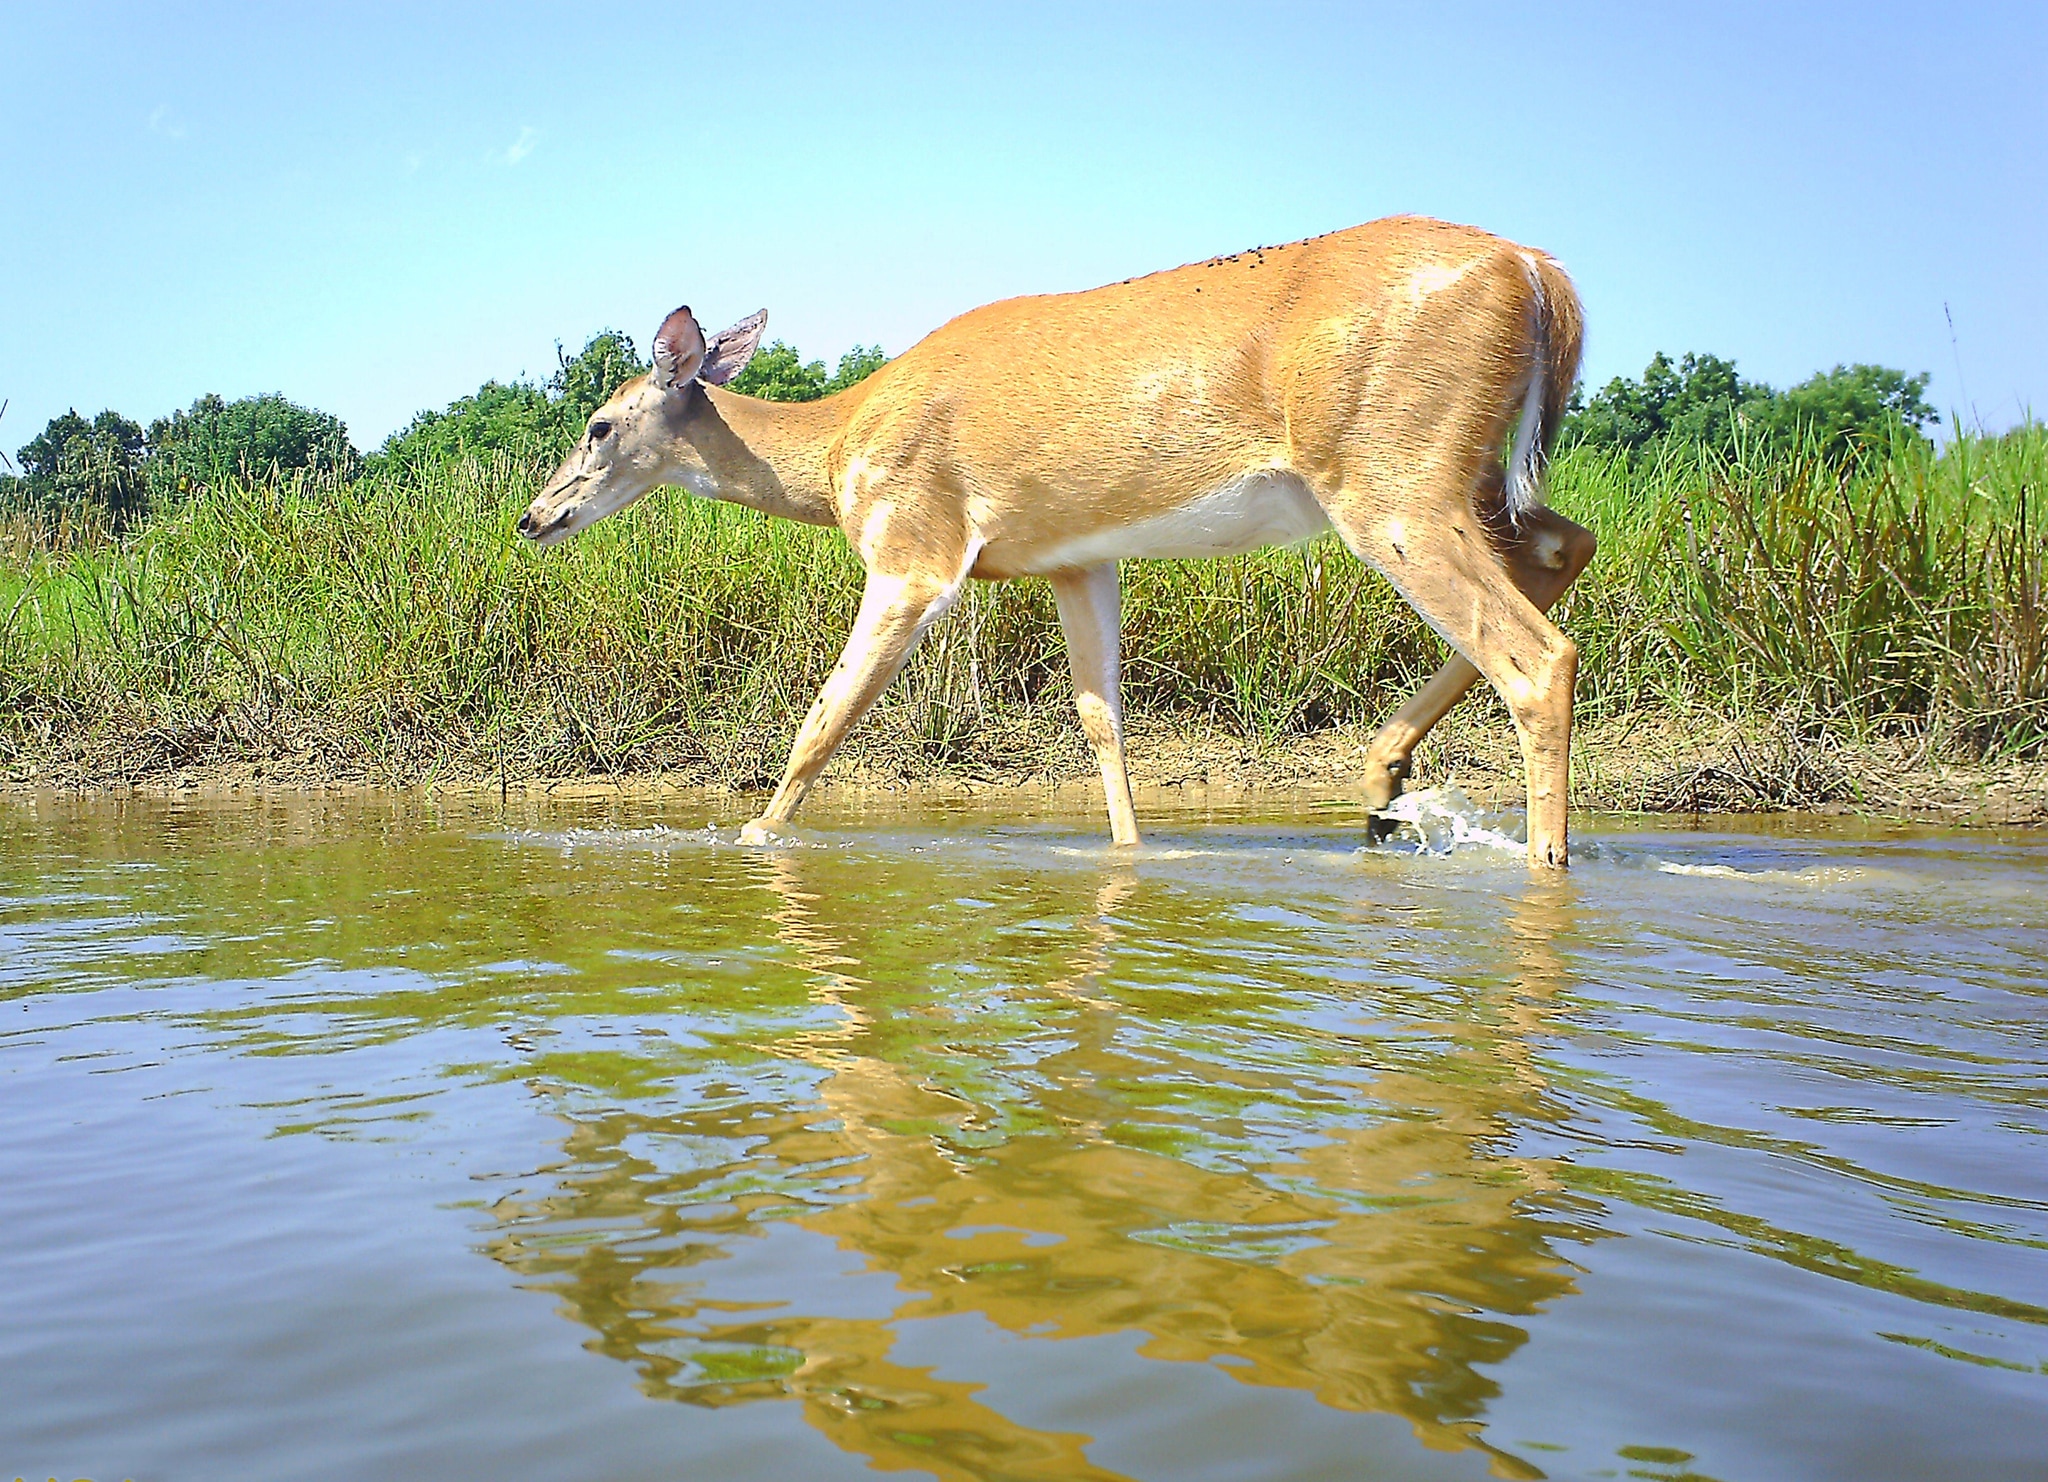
{"x": 111, "y": 470}
{"x": 1701, "y": 401}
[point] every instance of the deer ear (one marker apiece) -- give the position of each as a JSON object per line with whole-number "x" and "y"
{"x": 731, "y": 349}
{"x": 678, "y": 351}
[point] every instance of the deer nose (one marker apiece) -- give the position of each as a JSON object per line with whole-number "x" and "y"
{"x": 526, "y": 523}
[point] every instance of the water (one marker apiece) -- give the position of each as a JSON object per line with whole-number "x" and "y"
{"x": 386, "y": 1138}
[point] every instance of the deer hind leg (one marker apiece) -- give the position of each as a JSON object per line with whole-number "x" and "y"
{"x": 894, "y": 613}
{"x": 1090, "y": 614}
{"x": 1545, "y": 553}
{"x": 1418, "y": 526}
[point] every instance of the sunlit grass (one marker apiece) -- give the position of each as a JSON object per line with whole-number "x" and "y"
{"x": 397, "y": 628}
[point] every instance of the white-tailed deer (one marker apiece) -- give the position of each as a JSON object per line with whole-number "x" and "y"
{"x": 1368, "y": 380}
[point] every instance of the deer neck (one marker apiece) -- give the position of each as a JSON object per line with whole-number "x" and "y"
{"x": 768, "y": 455}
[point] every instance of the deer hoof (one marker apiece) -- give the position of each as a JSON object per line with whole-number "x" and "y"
{"x": 1383, "y": 781}
{"x": 756, "y": 832}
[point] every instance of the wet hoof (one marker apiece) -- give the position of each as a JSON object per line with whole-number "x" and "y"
{"x": 756, "y": 832}
{"x": 1383, "y": 782}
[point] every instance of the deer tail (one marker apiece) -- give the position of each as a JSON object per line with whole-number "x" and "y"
{"x": 1557, "y": 331}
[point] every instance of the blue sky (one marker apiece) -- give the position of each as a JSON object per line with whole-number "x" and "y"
{"x": 374, "y": 208}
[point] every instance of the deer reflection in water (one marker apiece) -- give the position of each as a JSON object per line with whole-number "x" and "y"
{"x": 1102, "y": 1170}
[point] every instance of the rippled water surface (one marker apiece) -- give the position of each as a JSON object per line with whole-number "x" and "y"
{"x": 392, "y": 1138}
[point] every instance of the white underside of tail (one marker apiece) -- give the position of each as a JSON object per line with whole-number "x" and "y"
{"x": 1524, "y": 490}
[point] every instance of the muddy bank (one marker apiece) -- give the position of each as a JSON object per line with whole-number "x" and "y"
{"x": 1647, "y": 764}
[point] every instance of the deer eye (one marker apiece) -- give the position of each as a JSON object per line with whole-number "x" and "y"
{"x": 600, "y": 430}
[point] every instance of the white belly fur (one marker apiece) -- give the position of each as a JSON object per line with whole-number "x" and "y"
{"x": 1271, "y": 507}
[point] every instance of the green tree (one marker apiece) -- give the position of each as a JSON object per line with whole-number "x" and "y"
{"x": 1700, "y": 400}
{"x": 855, "y": 366}
{"x": 515, "y": 418}
{"x": 1851, "y": 405}
{"x": 778, "y": 373}
{"x": 583, "y": 384}
{"x": 254, "y": 436}
{"x": 94, "y": 468}
{"x": 538, "y": 423}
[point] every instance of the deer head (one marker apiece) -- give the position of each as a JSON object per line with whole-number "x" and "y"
{"x": 640, "y": 438}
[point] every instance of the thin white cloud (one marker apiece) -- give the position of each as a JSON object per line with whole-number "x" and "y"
{"x": 163, "y": 121}
{"x": 523, "y": 145}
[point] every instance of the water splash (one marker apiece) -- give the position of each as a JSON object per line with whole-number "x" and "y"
{"x": 1442, "y": 820}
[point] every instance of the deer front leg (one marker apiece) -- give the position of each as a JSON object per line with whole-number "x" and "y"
{"x": 1090, "y": 614}
{"x": 1545, "y": 555}
{"x": 894, "y": 612}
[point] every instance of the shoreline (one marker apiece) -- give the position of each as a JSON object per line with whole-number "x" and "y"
{"x": 1630, "y": 764}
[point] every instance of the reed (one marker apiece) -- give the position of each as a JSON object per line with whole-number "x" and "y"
{"x": 394, "y": 628}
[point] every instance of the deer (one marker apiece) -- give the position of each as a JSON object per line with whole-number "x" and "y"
{"x": 1400, "y": 382}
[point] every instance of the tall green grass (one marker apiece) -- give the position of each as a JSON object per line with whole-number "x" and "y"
{"x": 395, "y": 628}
